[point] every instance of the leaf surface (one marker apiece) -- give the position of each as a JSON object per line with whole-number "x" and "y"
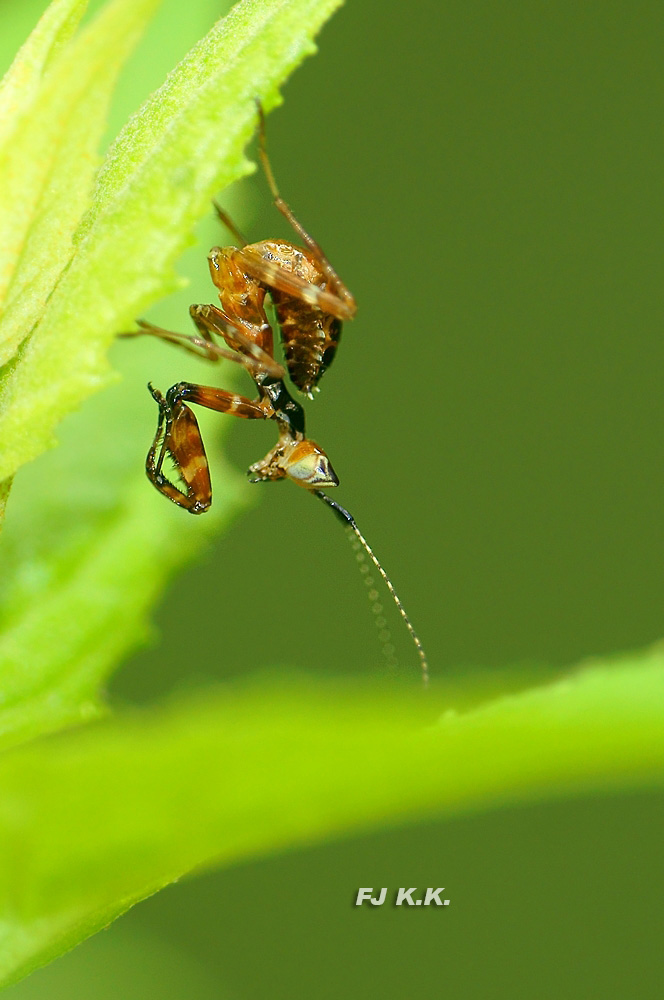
{"x": 91, "y": 821}
{"x": 49, "y": 152}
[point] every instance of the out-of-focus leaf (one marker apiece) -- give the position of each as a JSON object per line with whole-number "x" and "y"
{"x": 92, "y": 821}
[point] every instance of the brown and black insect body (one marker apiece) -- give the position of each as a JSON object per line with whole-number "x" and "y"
{"x": 310, "y": 302}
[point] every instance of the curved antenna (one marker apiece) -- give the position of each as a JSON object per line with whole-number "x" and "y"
{"x": 349, "y": 521}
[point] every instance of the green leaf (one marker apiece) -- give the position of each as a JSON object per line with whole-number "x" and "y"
{"x": 92, "y": 821}
{"x": 184, "y": 145}
{"x": 48, "y": 152}
{"x": 20, "y": 85}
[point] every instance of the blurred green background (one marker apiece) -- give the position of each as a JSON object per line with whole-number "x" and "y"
{"x": 487, "y": 180}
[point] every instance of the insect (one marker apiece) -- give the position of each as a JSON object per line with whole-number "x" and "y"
{"x": 310, "y": 304}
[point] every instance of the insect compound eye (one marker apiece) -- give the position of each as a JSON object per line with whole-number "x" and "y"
{"x": 308, "y": 465}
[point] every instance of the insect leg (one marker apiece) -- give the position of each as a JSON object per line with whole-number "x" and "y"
{"x": 211, "y": 319}
{"x": 178, "y": 436}
{"x": 336, "y": 286}
{"x": 202, "y": 347}
{"x": 226, "y": 220}
{"x": 216, "y": 399}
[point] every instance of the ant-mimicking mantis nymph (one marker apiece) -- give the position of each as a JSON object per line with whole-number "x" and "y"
{"x": 310, "y": 303}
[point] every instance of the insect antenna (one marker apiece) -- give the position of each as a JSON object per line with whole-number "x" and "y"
{"x": 359, "y": 541}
